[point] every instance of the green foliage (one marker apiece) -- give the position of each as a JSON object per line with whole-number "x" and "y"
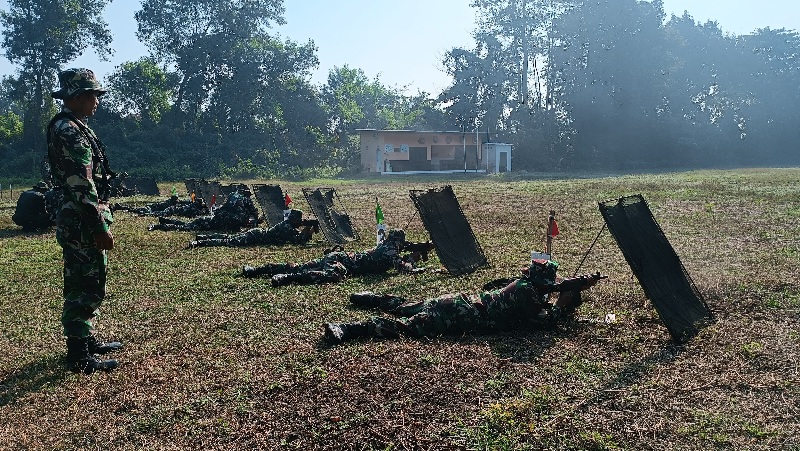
{"x": 140, "y": 89}
{"x": 39, "y": 37}
{"x": 10, "y": 126}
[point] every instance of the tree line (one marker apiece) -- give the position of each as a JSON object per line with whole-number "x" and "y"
{"x": 573, "y": 85}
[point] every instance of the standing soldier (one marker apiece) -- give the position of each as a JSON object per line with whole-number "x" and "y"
{"x": 79, "y": 166}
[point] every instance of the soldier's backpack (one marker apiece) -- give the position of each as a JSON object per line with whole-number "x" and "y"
{"x": 31, "y": 212}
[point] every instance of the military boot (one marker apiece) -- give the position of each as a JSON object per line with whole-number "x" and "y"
{"x": 368, "y": 299}
{"x": 269, "y": 269}
{"x": 279, "y": 280}
{"x": 213, "y": 236}
{"x": 102, "y": 347}
{"x": 210, "y": 242}
{"x": 336, "y": 333}
{"x": 79, "y": 360}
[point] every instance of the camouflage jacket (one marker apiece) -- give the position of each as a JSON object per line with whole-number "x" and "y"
{"x": 76, "y": 164}
{"x": 381, "y": 258}
{"x": 516, "y": 304}
{"x": 285, "y": 233}
{"x": 237, "y": 209}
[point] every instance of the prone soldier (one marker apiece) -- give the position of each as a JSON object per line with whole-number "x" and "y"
{"x": 169, "y": 207}
{"x": 520, "y": 302}
{"x": 285, "y": 232}
{"x": 237, "y": 212}
{"x": 337, "y": 265}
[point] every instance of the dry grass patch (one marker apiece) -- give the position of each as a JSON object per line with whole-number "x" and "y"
{"x": 216, "y": 361}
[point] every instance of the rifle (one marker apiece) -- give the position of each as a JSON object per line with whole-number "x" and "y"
{"x": 312, "y": 223}
{"x": 421, "y": 248}
{"x": 577, "y": 283}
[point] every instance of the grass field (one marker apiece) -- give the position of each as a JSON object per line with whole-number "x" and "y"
{"x": 216, "y": 361}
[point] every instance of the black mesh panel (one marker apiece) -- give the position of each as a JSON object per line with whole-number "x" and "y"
{"x": 271, "y": 200}
{"x": 452, "y": 236}
{"x": 654, "y": 262}
{"x": 334, "y": 222}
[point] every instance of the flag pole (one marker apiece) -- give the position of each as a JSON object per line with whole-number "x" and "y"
{"x": 551, "y": 220}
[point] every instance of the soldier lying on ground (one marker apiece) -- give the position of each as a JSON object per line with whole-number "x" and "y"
{"x": 171, "y": 207}
{"x": 336, "y": 266}
{"x": 285, "y": 232}
{"x": 521, "y": 302}
{"x": 237, "y": 212}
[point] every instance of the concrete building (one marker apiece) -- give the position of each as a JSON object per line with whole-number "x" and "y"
{"x": 409, "y": 151}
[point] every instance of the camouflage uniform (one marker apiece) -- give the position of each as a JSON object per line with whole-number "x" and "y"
{"x": 237, "y": 212}
{"x": 170, "y": 207}
{"x": 338, "y": 265}
{"x": 285, "y": 232}
{"x": 148, "y": 209}
{"x": 521, "y": 302}
{"x": 78, "y": 166}
{"x": 185, "y": 209}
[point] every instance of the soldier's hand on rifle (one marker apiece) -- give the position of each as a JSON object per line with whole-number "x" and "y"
{"x": 104, "y": 241}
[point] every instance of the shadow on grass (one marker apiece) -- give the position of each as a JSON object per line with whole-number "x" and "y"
{"x": 32, "y": 378}
{"x": 14, "y": 233}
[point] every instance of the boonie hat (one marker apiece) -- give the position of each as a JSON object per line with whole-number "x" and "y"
{"x": 76, "y": 81}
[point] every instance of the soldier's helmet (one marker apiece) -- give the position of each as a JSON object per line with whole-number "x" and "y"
{"x": 396, "y": 235}
{"x": 75, "y": 81}
{"x": 542, "y": 272}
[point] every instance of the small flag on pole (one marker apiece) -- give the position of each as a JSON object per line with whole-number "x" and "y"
{"x": 380, "y": 233}
{"x": 213, "y": 200}
{"x": 553, "y": 228}
{"x": 174, "y": 191}
{"x": 378, "y": 212}
{"x": 287, "y": 200}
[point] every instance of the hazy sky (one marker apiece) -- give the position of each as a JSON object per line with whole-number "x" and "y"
{"x": 403, "y": 41}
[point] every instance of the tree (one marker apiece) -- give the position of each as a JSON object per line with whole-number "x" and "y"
{"x": 201, "y": 38}
{"x": 140, "y": 89}
{"x": 611, "y": 80}
{"x": 40, "y": 37}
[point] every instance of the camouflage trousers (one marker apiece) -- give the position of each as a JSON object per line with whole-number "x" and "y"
{"x": 330, "y": 272}
{"x": 85, "y": 269}
{"x": 450, "y": 314}
{"x": 252, "y": 237}
{"x": 328, "y": 269}
{"x": 198, "y": 224}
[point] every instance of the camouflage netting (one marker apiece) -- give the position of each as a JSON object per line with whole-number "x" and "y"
{"x": 334, "y": 222}
{"x": 192, "y": 186}
{"x": 143, "y": 185}
{"x": 271, "y": 200}
{"x": 657, "y": 267}
{"x": 452, "y": 236}
{"x": 229, "y": 189}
